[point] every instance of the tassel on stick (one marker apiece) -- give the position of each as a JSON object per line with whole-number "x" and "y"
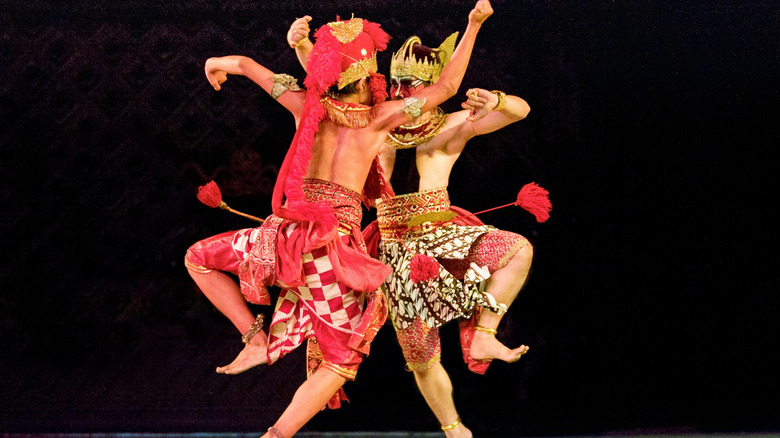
{"x": 532, "y": 198}
{"x": 535, "y": 200}
{"x": 210, "y": 195}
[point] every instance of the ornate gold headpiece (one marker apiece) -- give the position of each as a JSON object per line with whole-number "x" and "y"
{"x": 358, "y": 70}
{"x": 346, "y": 31}
{"x": 405, "y": 64}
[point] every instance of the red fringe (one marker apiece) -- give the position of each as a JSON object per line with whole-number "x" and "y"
{"x": 210, "y": 194}
{"x": 535, "y": 200}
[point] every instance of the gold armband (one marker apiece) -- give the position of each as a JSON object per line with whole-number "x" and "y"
{"x": 413, "y": 106}
{"x": 282, "y": 83}
{"x": 501, "y": 100}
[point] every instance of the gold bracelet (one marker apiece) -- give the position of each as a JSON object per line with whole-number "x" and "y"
{"x": 489, "y": 331}
{"x": 451, "y": 426}
{"x": 501, "y": 100}
{"x": 301, "y": 41}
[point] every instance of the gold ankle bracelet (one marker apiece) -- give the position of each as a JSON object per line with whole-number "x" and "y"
{"x": 489, "y": 331}
{"x": 451, "y": 426}
{"x": 253, "y": 329}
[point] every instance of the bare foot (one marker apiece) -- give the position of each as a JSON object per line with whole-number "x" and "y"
{"x": 486, "y": 346}
{"x": 254, "y": 353}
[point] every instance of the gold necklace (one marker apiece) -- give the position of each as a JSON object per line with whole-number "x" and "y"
{"x": 405, "y": 137}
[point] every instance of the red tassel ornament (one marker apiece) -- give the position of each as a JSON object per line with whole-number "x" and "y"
{"x": 423, "y": 268}
{"x": 532, "y": 198}
{"x": 535, "y": 200}
{"x": 210, "y": 195}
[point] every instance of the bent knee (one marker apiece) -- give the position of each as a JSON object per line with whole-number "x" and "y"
{"x": 526, "y": 253}
{"x": 522, "y": 259}
{"x": 424, "y": 370}
{"x": 194, "y": 261}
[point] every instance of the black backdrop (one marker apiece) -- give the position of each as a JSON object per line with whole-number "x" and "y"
{"x": 652, "y": 302}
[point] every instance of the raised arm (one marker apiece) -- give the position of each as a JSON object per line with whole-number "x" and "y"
{"x": 395, "y": 113}
{"x": 298, "y": 39}
{"x": 218, "y": 68}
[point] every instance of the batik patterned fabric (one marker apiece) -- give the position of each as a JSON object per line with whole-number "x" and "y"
{"x": 445, "y": 297}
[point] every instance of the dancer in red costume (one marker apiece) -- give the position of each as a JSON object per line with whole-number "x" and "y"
{"x": 311, "y": 246}
{"x": 443, "y": 270}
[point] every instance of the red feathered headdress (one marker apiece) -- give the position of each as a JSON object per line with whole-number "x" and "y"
{"x": 344, "y": 52}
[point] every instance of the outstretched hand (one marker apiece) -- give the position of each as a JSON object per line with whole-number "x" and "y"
{"x": 481, "y": 12}
{"x": 215, "y": 75}
{"x": 299, "y": 30}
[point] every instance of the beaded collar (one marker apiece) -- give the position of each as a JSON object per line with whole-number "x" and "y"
{"x": 405, "y": 137}
{"x": 351, "y": 115}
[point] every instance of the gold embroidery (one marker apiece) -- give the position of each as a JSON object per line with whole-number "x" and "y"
{"x": 425, "y": 365}
{"x": 196, "y": 268}
{"x": 340, "y": 370}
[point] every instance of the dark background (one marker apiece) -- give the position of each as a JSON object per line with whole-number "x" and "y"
{"x": 653, "y": 300}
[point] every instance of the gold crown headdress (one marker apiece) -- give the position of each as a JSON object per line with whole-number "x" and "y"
{"x": 405, "y": 64}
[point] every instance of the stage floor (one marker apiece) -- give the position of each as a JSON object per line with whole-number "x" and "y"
{"x": 390, "y": 435}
